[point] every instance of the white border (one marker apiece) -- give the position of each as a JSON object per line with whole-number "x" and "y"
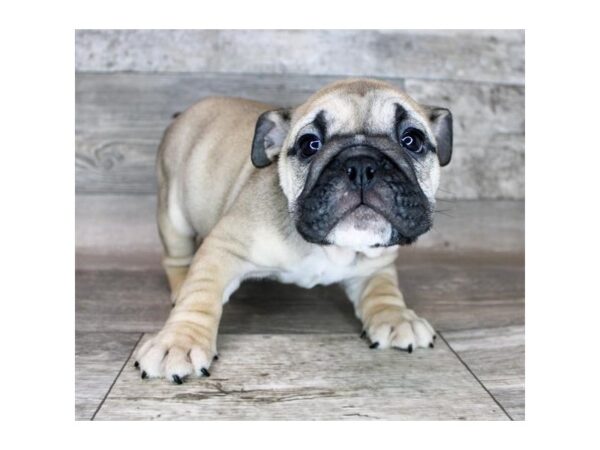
{"x": 38, "y": 222}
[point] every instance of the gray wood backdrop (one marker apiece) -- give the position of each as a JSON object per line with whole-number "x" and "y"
{"x": 129, "y": 83}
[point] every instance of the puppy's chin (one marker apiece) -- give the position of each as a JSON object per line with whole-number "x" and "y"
{"x": 362, "y": 229}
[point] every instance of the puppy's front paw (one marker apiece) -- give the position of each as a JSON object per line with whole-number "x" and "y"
{"x": 175, "y": 354}
{"x": 400, "y": 328}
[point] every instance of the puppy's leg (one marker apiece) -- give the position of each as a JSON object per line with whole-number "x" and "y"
{"x": 387, "y": 321}
{"x": 187, "y": 343}
{"x": 178, "y": 248}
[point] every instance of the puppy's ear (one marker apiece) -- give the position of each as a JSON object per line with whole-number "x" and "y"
{"x": 271, "y": 130}
{"x": 441, "y": 124}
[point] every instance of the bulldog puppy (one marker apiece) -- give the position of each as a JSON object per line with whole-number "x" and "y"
{"x": 322, "y": 193}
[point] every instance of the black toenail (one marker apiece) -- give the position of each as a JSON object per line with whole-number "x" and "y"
{"x": 374, "y": 345}
{"x": 177, "y": 380}
{"x": 215, "y": 358}
{"x": 205, "y": 372}
{"x": 136, "y": 365}
{"x": 431, "y": 345}
{"x": 363, "y": 334}
{"x": 402, "y": 349}
{"x": 144, "y": 374}
{"x": 434, "y": 337}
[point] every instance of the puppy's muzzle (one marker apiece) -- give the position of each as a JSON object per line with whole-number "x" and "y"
{"x": 356, "y": 175}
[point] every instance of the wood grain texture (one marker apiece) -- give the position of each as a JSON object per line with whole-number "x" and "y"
{"x": 126, "y": 301}
{"x": 98, "y": 359}
{"x": 484, "y": 55}
{"x": 308, "y": 377}
{"x": 118, "y": 232}
{"x": 489, "y": 137}
{"x": 130, "y": 105}
{"x": 465, "y": 291}
{"x": 120, "y": 118}
{"x": 497, "y": 357}
{"x": 112, "y": 301}
{"x": 452, "y": 293}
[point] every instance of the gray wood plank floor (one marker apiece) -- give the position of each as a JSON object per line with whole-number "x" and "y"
{"x": 99, "y": 357}
{"x": 474, "y": 298}
{"x": 496, "y": 356}
{"x": 309, "y": 377}
{"x": 454, "y": 295}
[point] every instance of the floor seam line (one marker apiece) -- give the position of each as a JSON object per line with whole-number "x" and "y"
{"x": 117, "y": 376}
{"x": 475, "y": 376}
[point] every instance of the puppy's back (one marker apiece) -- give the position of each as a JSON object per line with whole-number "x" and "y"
{"x": 210, "y": 140}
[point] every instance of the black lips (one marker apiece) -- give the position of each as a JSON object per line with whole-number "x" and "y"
{"x": 363, "y": 175}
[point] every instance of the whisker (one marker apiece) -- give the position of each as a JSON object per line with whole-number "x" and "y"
{"x": 443, "y": 213}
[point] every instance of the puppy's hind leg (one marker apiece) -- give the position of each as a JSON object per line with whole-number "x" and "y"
{"x": 179, "y": 249}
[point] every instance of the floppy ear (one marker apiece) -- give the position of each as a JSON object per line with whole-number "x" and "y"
{"x": 441, "y": 124}
{"x": 271, "y": 130}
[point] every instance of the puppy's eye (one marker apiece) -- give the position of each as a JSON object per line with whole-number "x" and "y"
{"x": 412, "y": 140}
{"x": 309, "y": 144}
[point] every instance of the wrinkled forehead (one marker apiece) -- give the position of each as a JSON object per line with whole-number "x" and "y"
{"x": 374, "y": 111}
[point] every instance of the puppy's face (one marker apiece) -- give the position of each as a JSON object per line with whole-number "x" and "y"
{"x": 358, "y": 162}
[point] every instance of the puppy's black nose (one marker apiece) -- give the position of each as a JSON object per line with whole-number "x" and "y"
{"x": 361, "y": 170}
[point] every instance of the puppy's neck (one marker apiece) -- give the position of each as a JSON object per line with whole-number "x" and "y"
{"x": 341, "y": 256}
{"x": 344, "y": 256}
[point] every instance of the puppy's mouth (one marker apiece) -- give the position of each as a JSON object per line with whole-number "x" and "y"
{"x": 360, "y": 228}
{"x": 361, "y": 199}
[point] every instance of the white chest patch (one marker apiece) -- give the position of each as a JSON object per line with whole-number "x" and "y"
{"x": 323, "y": 265}
{"x": 317, "y": 268}
{"x": 330, "y": 264}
